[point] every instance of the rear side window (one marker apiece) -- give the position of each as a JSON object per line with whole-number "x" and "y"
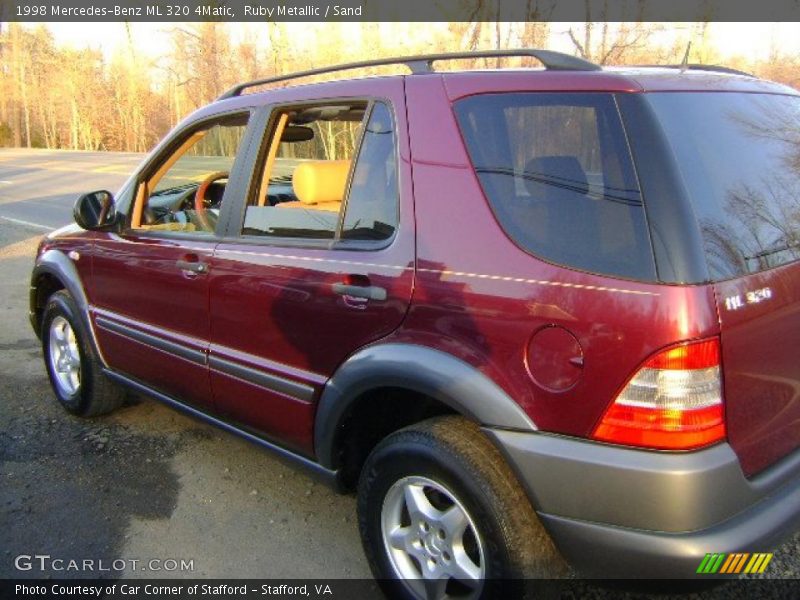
{"x": 329, "y": 173}
{"x": 371, "y": 212}
{"x": 739, "y": 155}
{"x": 557, "y": 172}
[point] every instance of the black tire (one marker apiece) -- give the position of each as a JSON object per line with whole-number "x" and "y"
{"x": 454, "y": 453}
{"x": 95, "y": 393}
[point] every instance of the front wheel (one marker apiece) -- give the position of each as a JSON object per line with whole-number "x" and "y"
{"x": 443, "y": 516}
{"x": 75, "y": 371}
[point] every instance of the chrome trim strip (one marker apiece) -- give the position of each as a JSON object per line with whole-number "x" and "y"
{"x": 259, "y": 378}
{"x": 190, "y": 354}
{"x": 314, "y": 259}
{"x": 563, "y": 284}
{"x": 441, "y": 272}
{"x": 327, "y": 475}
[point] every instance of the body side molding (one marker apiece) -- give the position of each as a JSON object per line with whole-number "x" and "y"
{"x": 421, "y": 369}
{"x": 165, "y": 345}
{"x": 257, "y": 377}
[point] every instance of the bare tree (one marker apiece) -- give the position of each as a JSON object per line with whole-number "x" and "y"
{"x": 59, "y": 97}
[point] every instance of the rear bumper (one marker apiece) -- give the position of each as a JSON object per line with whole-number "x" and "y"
{"x": 618, "y": 512}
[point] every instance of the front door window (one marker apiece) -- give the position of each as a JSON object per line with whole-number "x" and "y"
{"x": 184, "y": 192}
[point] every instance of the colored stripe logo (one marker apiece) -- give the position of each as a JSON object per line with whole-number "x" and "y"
{"x": 735, "y": 563}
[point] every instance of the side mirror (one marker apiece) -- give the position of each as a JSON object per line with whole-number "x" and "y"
{"x": 95, "y": 210}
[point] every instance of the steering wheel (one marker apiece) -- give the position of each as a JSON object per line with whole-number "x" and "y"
{"x": 200, "y": 202}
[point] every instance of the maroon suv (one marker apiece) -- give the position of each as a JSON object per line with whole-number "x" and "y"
{"x": 536, "y": 317}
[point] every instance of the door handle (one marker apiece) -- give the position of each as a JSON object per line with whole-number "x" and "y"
{"x": 368, "y": 292}
{"x": 194, "y": 266}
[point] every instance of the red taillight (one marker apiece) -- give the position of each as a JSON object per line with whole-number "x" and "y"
{"x": 699, "y": 355}
{"x": 673, "y": 402}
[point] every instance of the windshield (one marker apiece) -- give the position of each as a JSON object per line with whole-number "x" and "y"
{"x": 739, "y": 155}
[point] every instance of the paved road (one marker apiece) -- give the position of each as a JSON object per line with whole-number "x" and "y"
{"x": 146, "y": 482}
{"x": 39, "y": 187}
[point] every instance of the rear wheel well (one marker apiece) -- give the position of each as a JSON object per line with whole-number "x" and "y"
{"x": 46, "y": 285}
{"x": 373, "y": 416}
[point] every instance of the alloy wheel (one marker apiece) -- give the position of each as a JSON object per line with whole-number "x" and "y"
{"x": 431, "y": 540}
{"x": 64, "y": 356}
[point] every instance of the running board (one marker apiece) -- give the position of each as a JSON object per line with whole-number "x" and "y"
{"x": 326, "y": 476}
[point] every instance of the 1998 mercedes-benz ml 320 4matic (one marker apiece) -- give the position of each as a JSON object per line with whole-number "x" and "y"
{"x": 535, "y": 317}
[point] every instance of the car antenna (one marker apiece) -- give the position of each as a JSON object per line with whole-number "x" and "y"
{"x": 685, "y": 61}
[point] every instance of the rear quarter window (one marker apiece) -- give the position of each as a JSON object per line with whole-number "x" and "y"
{"x": 739, "y": 158}
{"x": 557, "y": 171}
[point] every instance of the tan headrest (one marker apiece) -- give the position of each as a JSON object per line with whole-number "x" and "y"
{"x": 320, "y": 181}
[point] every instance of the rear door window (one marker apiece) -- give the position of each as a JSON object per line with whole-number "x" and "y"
{"x": 739, "y": 155}
{"x": 557, "y": 172}
{"x": 329, "y": 173}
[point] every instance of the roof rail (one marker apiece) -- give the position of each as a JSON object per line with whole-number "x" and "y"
{"x": 423, "y": 63}
{"x": 698, "y": 67}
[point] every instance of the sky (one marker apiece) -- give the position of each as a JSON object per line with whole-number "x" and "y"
{"x": 752, "y": 40}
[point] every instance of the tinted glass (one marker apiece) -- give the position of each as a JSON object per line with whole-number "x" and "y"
{"x": 557, "y": 172}
{"x": 371, "y": 212}
{"x": 739, "y": 155}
